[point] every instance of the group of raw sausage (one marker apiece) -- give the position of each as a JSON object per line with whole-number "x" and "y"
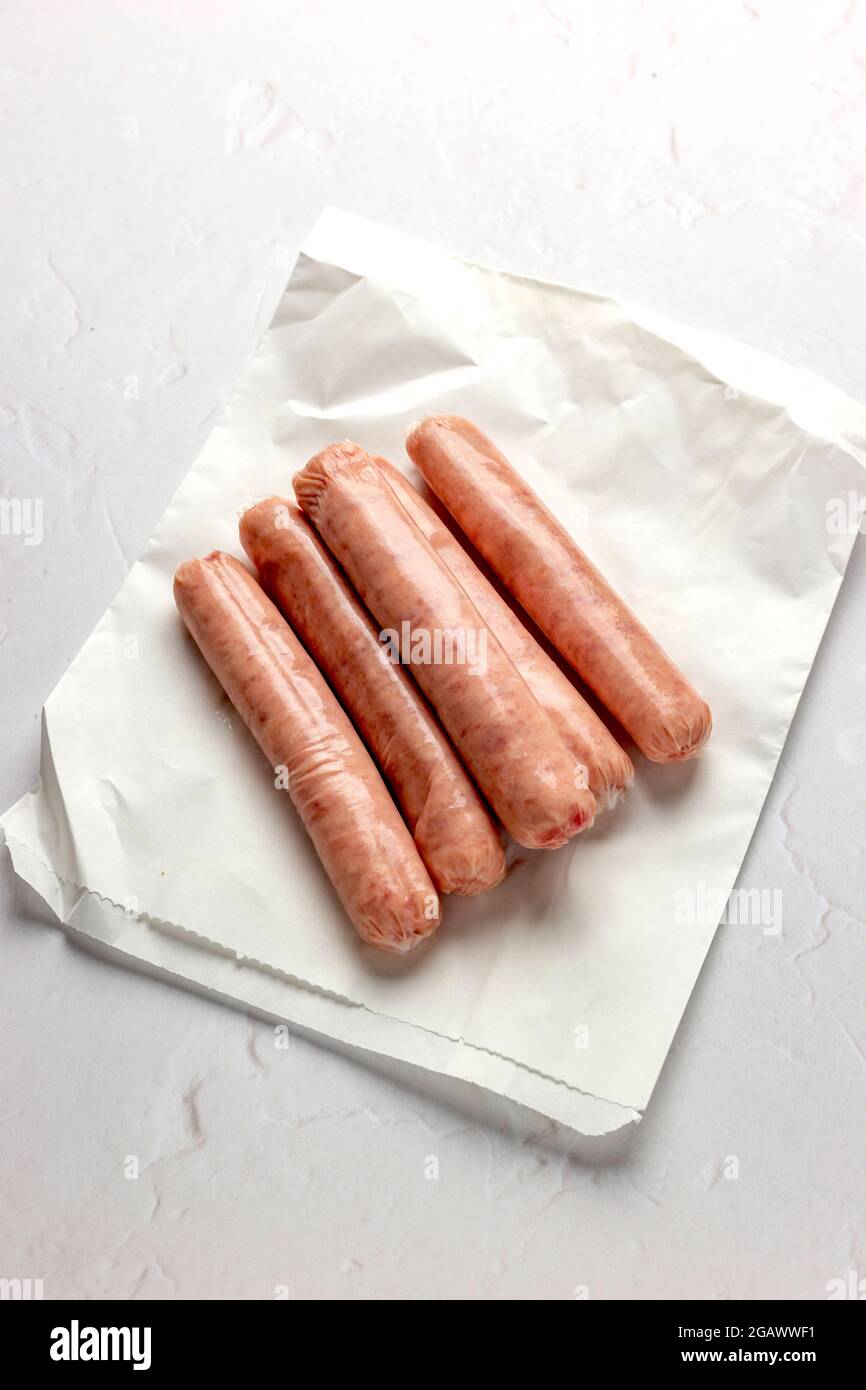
{"x": 372, "y": 646}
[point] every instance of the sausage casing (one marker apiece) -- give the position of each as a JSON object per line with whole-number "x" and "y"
{"x": 560, "y": 588}
{"x": 609, "y": 768}
{"x": 452, "y": 828}
{"x": 285, "y": 703}
{"x": 504, "y": 737}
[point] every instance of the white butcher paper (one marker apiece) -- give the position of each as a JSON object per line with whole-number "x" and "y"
{"x": 699, "y": 475}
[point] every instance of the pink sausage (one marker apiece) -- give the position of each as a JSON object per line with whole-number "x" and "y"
{"x": 451, "y": 826}
{"x": 356, "y": 829}
{"x": 504, "y": 737}
{"x": 561, "y": 589}
{"x": 609, "y": 768}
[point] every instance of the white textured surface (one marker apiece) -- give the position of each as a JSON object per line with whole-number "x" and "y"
{"x": 707, "y": 160}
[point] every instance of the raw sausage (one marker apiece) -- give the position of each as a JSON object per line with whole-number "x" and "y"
{"x": 451, "y": 826}
{"x": 506, "y": 740}
{"x": 355, "y": 827}
{"x": 560, "y": 588}
{"x": 609, "y": 768}
{"x": 509, "y": 745}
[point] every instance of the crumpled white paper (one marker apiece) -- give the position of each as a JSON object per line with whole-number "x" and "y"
{"x": 698, "y": 475}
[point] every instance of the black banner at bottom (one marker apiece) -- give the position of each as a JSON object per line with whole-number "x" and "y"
{"x": 75, "y": 1338}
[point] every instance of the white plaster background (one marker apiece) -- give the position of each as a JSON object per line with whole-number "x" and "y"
{"x": 707, "y": 159}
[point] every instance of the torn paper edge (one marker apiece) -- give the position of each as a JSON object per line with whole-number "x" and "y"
{"x": 177, "y": 958}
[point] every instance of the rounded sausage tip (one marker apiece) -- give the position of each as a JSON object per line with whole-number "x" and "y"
{"x": 684, "y": 735}
{"x": 187, "y": 574}
{"x": 263, "y": 519}
{"x": 312, "y": 481}
{"x": 399, "y": 930}
{"x": 468, "y": 871}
